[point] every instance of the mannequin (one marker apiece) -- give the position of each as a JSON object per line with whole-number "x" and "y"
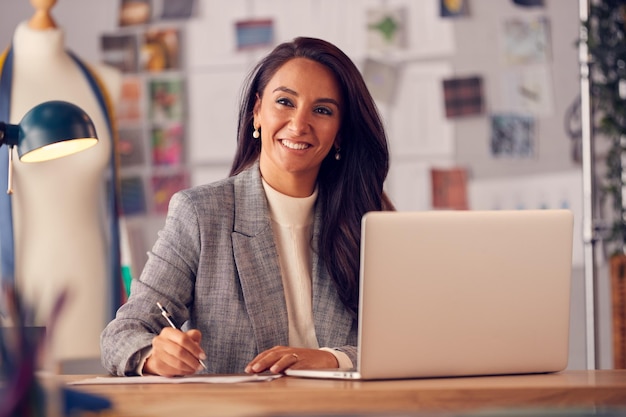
{"x": 59, "y": 207}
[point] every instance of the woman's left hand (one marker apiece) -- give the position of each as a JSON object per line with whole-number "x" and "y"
{"x": 279, "y": 358}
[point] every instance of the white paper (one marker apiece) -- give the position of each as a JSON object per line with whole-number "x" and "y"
{"x": 526, "y": 40}
{"x": 528, "y": 90}
{"x": 192, "y": 379}
{"x": 418, "y": 125}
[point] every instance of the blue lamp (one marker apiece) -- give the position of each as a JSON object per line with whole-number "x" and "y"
{"x": 50, "y": 130}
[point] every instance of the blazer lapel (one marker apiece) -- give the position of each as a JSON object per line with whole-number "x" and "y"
{"x": 256, "y": 258}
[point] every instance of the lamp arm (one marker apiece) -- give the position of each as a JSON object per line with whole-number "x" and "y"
{"x": 9, "y": 134}
{"x": 3, "y": 129}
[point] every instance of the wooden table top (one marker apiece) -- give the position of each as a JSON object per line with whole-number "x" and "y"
{"x": 291, "y": 396}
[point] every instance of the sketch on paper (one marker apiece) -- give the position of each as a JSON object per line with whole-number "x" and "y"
{"x": 526, "y": 40}
{"x": 386, "y": 29}
{"x": 381, "y": 79}
{"x": 528, "y": 90}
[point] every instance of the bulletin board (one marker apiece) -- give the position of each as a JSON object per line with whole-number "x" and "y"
{"x": 474, "y": 94}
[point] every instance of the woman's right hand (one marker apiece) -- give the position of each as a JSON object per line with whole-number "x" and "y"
{"x": 175, "y": 353}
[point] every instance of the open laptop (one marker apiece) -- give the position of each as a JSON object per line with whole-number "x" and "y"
{"x": 462, "y": 293}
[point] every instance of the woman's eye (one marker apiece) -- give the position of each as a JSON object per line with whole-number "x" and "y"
{"x": 324, "y": 110}
{"x": 284, "y": 101}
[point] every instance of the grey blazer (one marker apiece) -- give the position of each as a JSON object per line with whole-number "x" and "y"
{"x": 215, "y": 267}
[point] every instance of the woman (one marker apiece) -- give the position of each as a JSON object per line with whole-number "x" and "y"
{"x": 263, "y": 266}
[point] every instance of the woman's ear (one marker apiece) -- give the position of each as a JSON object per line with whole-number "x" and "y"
{"x": 257, "y": 107}
{"x": 337, "y": 142}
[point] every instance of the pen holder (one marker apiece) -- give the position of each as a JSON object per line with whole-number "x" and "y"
{"x": 20, "y": 353}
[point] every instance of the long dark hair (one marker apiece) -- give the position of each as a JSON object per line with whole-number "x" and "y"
{"x": 347, "y": 188}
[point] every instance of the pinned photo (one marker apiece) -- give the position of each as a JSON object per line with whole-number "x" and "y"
{"x": 463, "y": 96}
{"x": 160, "y": 50}
{"x": 132, "y": 196}
{"x": 167, "y": 145}
{"x": 130, "y": 147}
{"x": 166, "y": 100}
{"x": 134, "y": 12}
{"x": 177, "y": 9}
{"x": 164, "y": 187}
{"x": 512, "y": 136}
{"x": 128, "y": 108}
{"x": 453, "y": 8}
{"x": 120, "y": 51}
{"x": 254, "y": 33}
{"x": 449, "y": 188}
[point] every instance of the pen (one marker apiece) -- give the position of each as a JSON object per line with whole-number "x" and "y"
{"x": 168, "y": 317}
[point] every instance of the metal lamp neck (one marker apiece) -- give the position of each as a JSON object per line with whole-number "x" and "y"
{"x": 9, "y": 134}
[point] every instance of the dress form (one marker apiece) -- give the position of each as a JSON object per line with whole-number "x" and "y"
{"x": 59, "y": 211}
{"x": 42, "y": 19}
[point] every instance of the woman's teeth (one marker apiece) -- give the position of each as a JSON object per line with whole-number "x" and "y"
{"x": 294, "y": 145}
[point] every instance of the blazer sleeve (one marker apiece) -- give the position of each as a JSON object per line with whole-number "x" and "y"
{"x": 168, "y": 277}
{"x": 351, "y": 353}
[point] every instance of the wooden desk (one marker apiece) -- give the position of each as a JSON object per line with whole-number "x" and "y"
{"x": 289, "y": 395}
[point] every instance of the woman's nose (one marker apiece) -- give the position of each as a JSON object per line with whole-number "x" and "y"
{"x": 299, "y": 122}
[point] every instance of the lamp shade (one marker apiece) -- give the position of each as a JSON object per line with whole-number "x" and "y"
{"x": 54, "y": 129}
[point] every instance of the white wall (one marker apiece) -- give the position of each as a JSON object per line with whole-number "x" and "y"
{"x": 438, "y": 48}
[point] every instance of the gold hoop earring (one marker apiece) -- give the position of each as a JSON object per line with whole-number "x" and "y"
{"x": 256, "y": 133}
{"x": 337, "y": 154}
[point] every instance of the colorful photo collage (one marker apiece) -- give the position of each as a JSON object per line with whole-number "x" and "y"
{"x": 153, "y": 50}
{"x": 143, "y": 12}
{"x": 151, "y": 107}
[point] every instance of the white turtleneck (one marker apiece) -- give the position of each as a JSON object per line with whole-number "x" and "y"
{"x": 292, "y": 224}
{"x": 59, "y": 212}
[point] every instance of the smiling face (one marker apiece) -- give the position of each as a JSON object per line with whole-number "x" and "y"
{"x": 299, "y": 116}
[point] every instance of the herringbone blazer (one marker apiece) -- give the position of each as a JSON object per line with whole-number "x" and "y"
{"x": 215, "y": 267}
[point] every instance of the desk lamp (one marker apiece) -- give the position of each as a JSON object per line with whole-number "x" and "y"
{"x": 50, "y": 130}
